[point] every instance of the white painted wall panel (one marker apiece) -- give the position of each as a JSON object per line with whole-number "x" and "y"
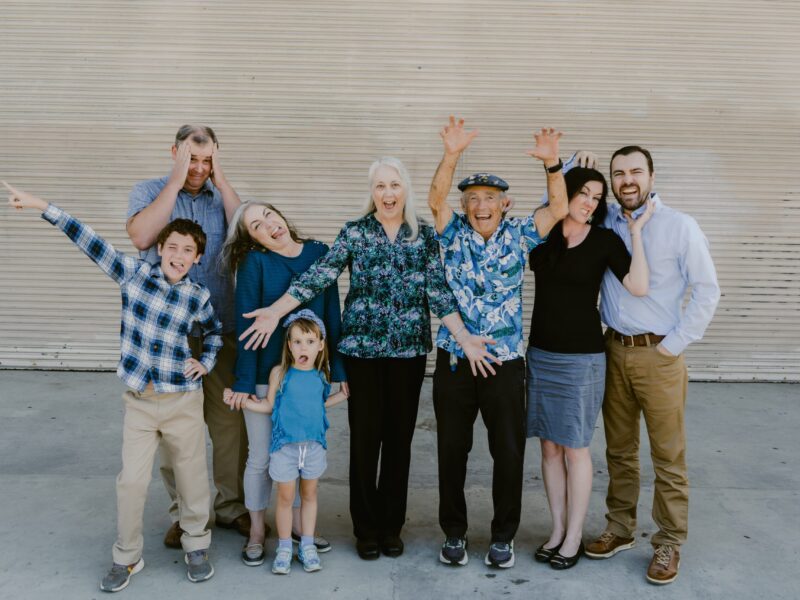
{"x": 304, "y": 95}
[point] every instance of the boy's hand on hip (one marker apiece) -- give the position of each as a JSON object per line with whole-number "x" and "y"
{"x": 194, "y": 369}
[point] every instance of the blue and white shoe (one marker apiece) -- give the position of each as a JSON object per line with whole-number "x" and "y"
{"x": 500, "y": 555}
{"x": 283, "y": 561}
{"x": 308, "y": 556}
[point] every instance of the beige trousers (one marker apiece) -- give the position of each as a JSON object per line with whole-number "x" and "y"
{"x": 228, "y": 438}
{"x": 175, "y": 420}
{"x": 642, "y": 380}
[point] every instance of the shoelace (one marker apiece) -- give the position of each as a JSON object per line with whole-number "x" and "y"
{"x": 453, "y": 543}
{"x": 606, "y": 537}
{"x": 663, "y": 555}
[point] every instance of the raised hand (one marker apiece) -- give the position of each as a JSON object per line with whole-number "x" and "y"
{"x": 19, "y": 199}
{"x": 586, "y": 159}
{"x": 455, "y": 137}
{"x": 546, "y": 148}
{"x": 217, "y": 176}
{"x": 180, "y": 170}
{"x": 478, "y": 355}
{"x": 194, "y": 369}
{"x": 266, "y": 322}
{"x": 636, "y": 225}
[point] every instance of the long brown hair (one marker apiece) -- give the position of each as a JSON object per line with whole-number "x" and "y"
{"x": 238, "y": 241}
{"x": 287, "y": 360}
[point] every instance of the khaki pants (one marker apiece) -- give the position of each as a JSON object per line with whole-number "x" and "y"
{"x": 176, "y": 420}
{"x": 228, "y": 438}
{"x": 643, "y": 380}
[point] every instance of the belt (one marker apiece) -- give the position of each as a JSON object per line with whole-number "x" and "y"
{"x": 639, "y": 339}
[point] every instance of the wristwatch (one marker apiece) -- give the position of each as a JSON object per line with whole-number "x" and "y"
{"x": 555, "y": 168}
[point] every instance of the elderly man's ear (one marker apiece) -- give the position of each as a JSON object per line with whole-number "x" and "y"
{"x": 508, "y": 204}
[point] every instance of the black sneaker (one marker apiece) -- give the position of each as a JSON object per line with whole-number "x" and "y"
{"x": 320, "y": 542}
{"x": 454, "y": 551}
{"x": 500, "y": 555}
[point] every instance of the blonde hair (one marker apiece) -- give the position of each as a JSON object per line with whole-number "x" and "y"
{"x": 287, "y": 360}
{"x": 409, "y": 209}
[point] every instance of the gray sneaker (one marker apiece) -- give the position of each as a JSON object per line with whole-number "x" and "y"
{"x": 200, "y": 568}
{"x": 119, "y": 576}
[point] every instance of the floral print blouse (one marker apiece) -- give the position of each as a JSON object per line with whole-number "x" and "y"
{"x": 393, "y": 287}
{"x": 486, "y": 278}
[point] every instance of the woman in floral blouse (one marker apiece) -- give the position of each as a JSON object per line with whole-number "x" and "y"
{"x": 396, "y": 279}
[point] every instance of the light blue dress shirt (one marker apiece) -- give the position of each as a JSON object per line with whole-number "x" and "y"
{"x": 678, "y": 257}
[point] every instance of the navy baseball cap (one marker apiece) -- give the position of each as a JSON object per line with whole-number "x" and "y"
{"x": 486, "y": 179}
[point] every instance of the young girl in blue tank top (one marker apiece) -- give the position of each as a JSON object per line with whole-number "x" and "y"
{"x": 298, "y": 397}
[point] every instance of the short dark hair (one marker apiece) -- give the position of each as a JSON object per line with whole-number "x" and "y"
{"x": 200, "y": 134}
{"x": 626, "y": 150}
{"x": 184, "y": 227}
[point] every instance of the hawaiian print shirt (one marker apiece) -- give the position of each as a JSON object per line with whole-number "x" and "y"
{"x": 486, "y": 278}
{"x": 393, "y": 287}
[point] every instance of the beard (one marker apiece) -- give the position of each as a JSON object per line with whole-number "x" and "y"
{"x": 629, "y": 203}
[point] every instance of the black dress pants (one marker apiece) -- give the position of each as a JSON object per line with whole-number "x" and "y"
{"x": 458, "y": 396}
{"x": 382, "y": 412}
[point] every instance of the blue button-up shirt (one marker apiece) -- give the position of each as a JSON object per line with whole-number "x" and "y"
{"x": 678, "y": 257}
{"x": 156, "y": 315}
{"x": 207, "y": 210}
{"x": 486, "y": 278}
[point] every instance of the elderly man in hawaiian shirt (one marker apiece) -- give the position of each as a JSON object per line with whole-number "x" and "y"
{"x": 484, "y": 255}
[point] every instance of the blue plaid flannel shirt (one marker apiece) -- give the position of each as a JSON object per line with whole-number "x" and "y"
{"x": 156, "y": 315}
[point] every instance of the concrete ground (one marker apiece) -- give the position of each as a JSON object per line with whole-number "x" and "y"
{"x": 60, "y": 453}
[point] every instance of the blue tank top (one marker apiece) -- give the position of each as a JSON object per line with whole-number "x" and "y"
{"x": 299, "y": 411}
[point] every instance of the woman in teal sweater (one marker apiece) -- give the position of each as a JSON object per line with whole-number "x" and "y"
{"x": 265, "y": 252}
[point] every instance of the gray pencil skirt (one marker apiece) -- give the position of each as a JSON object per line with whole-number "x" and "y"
{"x": 565, "y": 394}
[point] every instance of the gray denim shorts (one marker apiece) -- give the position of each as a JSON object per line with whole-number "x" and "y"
{"x": 306, "y": 459}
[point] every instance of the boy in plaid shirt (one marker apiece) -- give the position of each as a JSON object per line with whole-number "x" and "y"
{"x": 165, "y": 398}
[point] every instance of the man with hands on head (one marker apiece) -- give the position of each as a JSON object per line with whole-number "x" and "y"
{"x": 484, "y": 256}
{"x": 198, "y": 190}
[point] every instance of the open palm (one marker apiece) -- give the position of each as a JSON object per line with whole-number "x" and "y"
{"x": 546, "y": 148}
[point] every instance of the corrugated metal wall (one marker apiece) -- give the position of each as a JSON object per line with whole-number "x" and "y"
{"x": 304, "y": 95}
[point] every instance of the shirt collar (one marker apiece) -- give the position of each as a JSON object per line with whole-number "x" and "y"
{"x": 208, "y": 187}
{"x": 157, "y": 273}
{"x": 620, "y": 216}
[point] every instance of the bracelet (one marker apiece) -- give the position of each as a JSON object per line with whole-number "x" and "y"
{"x": 455, "y": 335}
{"x": 555, "y": 168}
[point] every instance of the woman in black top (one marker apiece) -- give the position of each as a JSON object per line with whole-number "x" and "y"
{"x": 566, "y": 359}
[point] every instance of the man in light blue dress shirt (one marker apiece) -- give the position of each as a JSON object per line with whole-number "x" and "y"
{"x": 197, "y": 189}
{"x": 646, "y": 372}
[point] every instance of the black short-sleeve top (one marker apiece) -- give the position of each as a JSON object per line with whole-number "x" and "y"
{"x": 565, "y": 316}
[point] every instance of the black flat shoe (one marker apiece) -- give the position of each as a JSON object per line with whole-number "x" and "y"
{"x": 544, "y": 555}
{"x": 392, "y": 546}
{"x": 561, "y": 562}
{"x": 368, "y": 549}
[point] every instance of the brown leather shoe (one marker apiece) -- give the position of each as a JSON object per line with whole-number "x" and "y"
{"x": 664, "y": 566}
{"x": 173, "y": 537}
{"x": 240, "y": 524}
{"x": 607, "y": 545}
